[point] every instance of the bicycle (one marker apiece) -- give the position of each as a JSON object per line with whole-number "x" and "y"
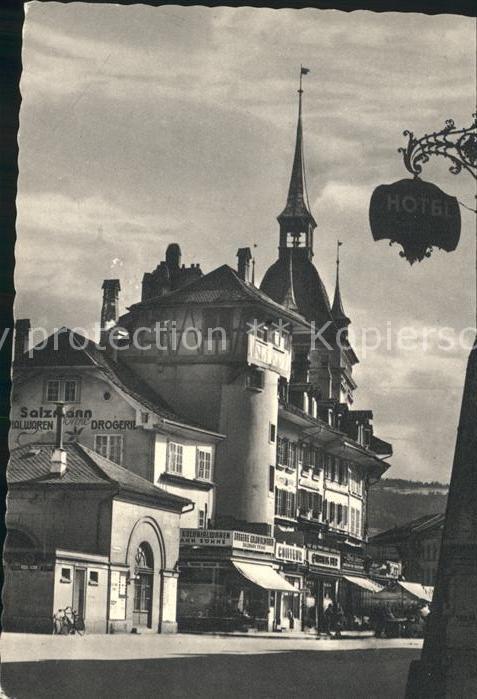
{"x": 67, "y": 621}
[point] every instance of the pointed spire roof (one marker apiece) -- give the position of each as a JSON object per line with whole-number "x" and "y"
{"x": 289, "y": 300}
{"x": 297, "y": 206}
{"x": 337, "y": 309}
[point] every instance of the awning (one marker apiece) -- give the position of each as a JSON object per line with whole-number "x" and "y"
{"x": 423, "y": 592}
{"x": 364, "y": 583}
{"x": 264, "y": 576}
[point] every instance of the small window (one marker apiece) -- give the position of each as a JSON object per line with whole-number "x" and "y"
{"x": 271, "y": 478}
{"x": 93, "y": 577}
{"x": 202, "y": 520}
{"x": 71, "y": 391}
{"x": 53, "y": 391}
{"x": 256, "y": 379}
{"x": 60, "y": 389}
{"x": 174, "y": 457}
{"x": 273, "y": 432}
{"x": 204, "y": 464}
{"x": 65, "y": 575}
{"x": 110, "y": 446}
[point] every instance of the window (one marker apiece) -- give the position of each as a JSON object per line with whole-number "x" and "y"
{"x": 345, "y": 515}
{"x": 273, "y": 432}
{"x": 271, "y": 478}
{"x": 202, "y": 519}
{"x": 109, "y": 446}
{"x": 60, "y": 389}
{"x": 256, "y": 379}
{"x": 285, "y": 503}
{"x": 282, "y": 451}
{"x": 204, "y": 464}
{"x": 53, "y": 390}
{"x": 352, "y": 527}
{"x": 93, "y": 577}
{"x": 332, "y": 511}
{"x": 340, "y": 514}
{"x": 333, "y": 468}
{"x": 174, "y": 457}
{"x": 65, "y": 575}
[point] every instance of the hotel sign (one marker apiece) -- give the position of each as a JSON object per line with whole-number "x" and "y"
{"x": 227, "y": 539}
{"x": 324, "y": 559}
{"x": 289, "y": 554}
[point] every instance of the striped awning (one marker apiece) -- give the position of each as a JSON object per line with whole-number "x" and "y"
{"x": 364, "y": 583}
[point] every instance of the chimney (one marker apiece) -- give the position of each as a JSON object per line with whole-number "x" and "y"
{"x": 110, "y": 307}
{"x": 243, "y": 268}
{"x": 58, "y": 457}
{"x": 22, "y": 334}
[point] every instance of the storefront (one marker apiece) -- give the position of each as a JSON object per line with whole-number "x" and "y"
{"x": 229, "y": 581}
{"x": 321, "y": 585}
{"x": 289, "y": 608}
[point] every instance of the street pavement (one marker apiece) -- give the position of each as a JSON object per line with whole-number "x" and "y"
{"x": 186, "y": 665}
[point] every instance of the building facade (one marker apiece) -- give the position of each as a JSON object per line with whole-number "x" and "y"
{"x": 240, "y": 400}
{"x": 416, "y": 544}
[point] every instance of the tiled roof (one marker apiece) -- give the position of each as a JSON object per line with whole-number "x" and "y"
{"x": 221, "y": 286}
{"x": 30, "y": 464}
{"x": 404, "y": 531}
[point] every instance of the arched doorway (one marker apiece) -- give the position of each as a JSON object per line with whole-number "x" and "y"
{"x": 143, "y": 586}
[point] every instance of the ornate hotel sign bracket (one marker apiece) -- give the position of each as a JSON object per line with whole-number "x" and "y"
{"x": 417, "y": 214}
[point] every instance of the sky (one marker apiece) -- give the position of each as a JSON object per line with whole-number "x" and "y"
{"x": 143, "y": 126}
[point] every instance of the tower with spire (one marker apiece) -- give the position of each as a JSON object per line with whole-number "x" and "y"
{"x": 294, "y": 281}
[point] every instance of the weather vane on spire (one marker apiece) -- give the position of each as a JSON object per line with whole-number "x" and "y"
{"x": 303, "y": 71}
{"x": 338, "y": 245}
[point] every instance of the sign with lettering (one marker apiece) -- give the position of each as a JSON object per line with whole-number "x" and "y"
{"x": 43, "y": 419}
{"x": 417, "y": 215}
{"x": 226, "y": 538}
{"x": 117, "y": 595}
{"x": 289, "y": 553}
{"x": 324, "y": 559}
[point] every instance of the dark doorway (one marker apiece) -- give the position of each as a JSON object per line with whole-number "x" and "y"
{"x": 143, "y": 586}
{"x": 79, "y": 587}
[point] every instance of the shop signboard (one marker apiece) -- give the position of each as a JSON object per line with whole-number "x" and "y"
{"x": 289, "y": 553}
{"x": 323, "y": 558}
{"x": 224, "y": 538}
{"x": 353, "y": 562}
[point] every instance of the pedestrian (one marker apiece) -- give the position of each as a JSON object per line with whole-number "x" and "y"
{"x": 329, "y": 618}
{"x": 291, "y": 619}
{"x": 338, "y": 619}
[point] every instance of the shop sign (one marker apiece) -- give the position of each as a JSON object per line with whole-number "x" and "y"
{"x": 324, "y": 559}
{"x": 290, "y": 554}
{"x": 353, "y": 562}
{"x": 227, "y": 538}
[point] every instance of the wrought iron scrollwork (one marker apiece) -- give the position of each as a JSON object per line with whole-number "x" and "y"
{"x": 458, "y": 145}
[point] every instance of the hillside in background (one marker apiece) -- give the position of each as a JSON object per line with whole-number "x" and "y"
{"x": 394, "y": 501}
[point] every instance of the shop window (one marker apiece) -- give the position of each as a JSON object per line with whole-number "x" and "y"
{"x": 174, "y": 457}
{"x": 65, "y": 575}
{"x": 109, "y": 446}
{"x": 256, "y": 379}
{"x": 93, "y": 577}
{"x": 204, "y": 464}
{"x": 60, "y": 389}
